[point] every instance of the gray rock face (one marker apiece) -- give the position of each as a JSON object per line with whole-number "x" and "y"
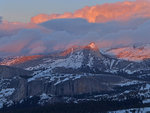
{"x": 20, "y": 86}
{"x": 13, "y": 84}
{"x": 86, "y": 85}
{"x": 83, "y": 85}
{"x": 9, "y": 72}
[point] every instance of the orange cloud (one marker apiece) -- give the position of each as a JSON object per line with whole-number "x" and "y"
{"x": 121, "y": 11}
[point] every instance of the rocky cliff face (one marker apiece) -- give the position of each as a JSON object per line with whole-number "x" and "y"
{"x": 10, "y": 72}
{"x": 13, "y": 84}
{"x": 72, "y": 87}
{"x": 15, "y": 88}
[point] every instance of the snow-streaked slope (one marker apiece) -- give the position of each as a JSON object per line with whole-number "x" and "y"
{"x": 72, "y": 58}
{"x": 73, "y": 61}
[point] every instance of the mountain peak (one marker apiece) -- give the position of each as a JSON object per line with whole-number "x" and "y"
{"x": 92, "y": 46}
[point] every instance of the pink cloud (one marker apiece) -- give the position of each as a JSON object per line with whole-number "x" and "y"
{"x": 121, "y": 11}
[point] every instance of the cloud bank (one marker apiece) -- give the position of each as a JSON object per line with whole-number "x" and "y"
{"x": 124, "y": 27}
{"x": 120, "y": 11}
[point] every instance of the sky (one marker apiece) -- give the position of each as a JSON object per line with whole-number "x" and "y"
{"x": 23, "y": 10}
{"x": 110, "y": 25}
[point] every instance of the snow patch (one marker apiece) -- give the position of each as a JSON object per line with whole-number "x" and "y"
{"x": 4, "y": 93}
{"x": 128, "y": 83}
{"x": 44, "y": 98}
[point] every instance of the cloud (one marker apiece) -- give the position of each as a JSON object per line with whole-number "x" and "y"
{"x": 60, "y": 34}
{"x": 12, "y": 28}
{"x": 120, "y": 11}
{"x": 126, "y": 23}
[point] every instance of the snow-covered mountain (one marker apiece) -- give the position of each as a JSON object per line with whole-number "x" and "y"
{"x": 130, "y": 60}
{"x": 79, "y": 70}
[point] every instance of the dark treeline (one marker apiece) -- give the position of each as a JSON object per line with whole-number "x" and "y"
{"x": 84, "y": 107}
